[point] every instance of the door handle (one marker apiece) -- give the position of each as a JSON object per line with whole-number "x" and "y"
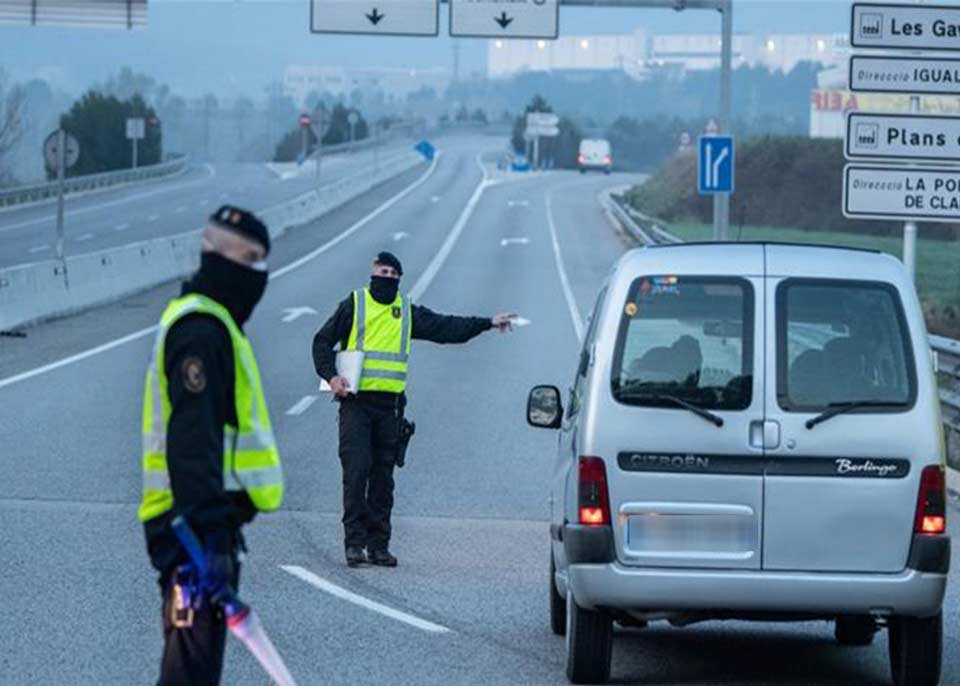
{"x": 764, "y": 434}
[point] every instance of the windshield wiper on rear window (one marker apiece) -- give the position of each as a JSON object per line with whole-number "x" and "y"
{"x": 834, "y": 409}
{"x": 714, "y": 419}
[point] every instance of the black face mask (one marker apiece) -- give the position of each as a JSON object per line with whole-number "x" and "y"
{"x": 384, "y": 289}
{"x": 234, "y": 286}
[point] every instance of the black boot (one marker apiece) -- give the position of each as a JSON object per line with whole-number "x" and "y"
{"x": 382, "y": 558}
{"x": 356, "y": 556}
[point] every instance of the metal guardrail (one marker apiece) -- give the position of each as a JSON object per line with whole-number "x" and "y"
{"x": 19, "y": 195}
{"x": 651, "y": 231}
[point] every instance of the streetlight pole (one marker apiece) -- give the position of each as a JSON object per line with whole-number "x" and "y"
{"x": 721, "y": 201}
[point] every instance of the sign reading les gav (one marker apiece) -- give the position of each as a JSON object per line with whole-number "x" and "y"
{"x": 905, "y": 27}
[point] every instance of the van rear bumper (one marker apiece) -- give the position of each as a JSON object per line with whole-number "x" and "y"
{"x": 615, "y": 586}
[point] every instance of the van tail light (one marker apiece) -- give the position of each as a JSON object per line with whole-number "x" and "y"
{"x": 581, "y": 158}
{"x": 593, "y": 495}
{"x": 607, "y": 160}
{"x": 932, "y": 502}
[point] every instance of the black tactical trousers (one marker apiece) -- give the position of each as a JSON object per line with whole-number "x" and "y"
{"x": 193, "y": 656}
{"x": 369, "y": 433}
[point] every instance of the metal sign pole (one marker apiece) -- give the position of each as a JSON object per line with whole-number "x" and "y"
{"x": 135, "y": 141}
{"x": 721, "y": 201}
{"x": 910, "y": 228}
{"x": 61, "y": 164}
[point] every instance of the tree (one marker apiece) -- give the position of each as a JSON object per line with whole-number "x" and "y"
{"x": 11, "y": 124}
{"x": 479, "y": 117}
{"x": 99, "y": 123}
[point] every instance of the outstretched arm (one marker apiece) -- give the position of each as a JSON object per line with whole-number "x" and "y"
{"x": 445, "y": 328}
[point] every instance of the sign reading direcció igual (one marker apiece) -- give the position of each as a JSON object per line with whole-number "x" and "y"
{"x": 872, "y": 192}
{"x": 905, "y": 27}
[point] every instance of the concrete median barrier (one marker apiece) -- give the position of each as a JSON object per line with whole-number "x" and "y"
{"x": 42, "y": 290}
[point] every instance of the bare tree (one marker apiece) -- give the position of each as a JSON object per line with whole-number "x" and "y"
{"x": 11, "y": 123}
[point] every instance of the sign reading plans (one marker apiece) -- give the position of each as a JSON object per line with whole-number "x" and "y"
{"x": 505, "y": 18}
{"x": 377, "y": 17}
{"x": 903, "y": 137}
{"x": 889, "y": 74}
{"x": 905, "y": 27}
{"x": 901, "y": 193}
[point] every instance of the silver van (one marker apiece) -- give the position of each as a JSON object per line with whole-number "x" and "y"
{"x": 753, "y": 433}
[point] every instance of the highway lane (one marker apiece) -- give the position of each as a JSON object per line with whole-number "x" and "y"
{"x": 471, "y": 504}
{"x": 103, "y": 219}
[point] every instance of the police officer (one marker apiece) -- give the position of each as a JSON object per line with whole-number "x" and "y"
{"x": 208, "y": 449}
{"x": 381, "y": 323}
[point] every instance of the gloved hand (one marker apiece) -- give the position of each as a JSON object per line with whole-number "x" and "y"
{"x": 220, "y": 563}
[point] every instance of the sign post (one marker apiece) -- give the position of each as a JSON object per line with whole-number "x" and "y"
{"x": 136, "y": 131}
{"x": 541, "y": 125}
{"x": 353, "y": 118}
{"x": 60, "y": 152}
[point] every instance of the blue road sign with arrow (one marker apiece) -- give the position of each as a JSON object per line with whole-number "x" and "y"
{"x": 715, "y": 166}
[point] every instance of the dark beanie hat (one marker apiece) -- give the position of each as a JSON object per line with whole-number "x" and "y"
{"x": 390, "y": 260}
{"x": 240, "y": 221}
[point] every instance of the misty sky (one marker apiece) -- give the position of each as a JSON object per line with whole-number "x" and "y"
{"x": 227, "y": 47}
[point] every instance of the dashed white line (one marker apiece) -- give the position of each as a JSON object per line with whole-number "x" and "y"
{"x": 38, "y": 248}
{"x": 180, "y": 209}
{"x": 562, "y": 271}
{"x": 514, "y": 241}
{"x": 342, "y": 593}
{"x": 302, "y": 406}
{"x": 121, "y": 227}
{"x": 153, "y": 217}
{"x": 83, "y": 237}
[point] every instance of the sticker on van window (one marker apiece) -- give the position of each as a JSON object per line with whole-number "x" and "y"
{"x": 665, "y": 285}
{"x": 631, "y": 309}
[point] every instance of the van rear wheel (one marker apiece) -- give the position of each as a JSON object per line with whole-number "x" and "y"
{"x": 855, "y": 631}
{"x": 916, "y": 650}
{"x": 558, "y": 604}
{"x": 589, "y": 644}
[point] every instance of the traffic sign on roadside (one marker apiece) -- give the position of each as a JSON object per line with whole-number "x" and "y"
{"x": 543, "y": 119}
{"x": 499, "y": 19}
{"x": 305, "y": 120}
{"x": 51, "y": 151}
{"x": 920, "y": 137}
{"x": 905, "y": 27}
{"x": 871, "y": 192}
{"x": 715, "y": 172}
{"x": 900, "y": 74}
{"x": 377, "y": 17}
{"x": 136, "y": 128}
{"x": 541, "y": 131}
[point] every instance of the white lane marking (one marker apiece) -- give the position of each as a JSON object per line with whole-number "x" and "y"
{"x": 360, "y": 224}
{"x": 518, "y": 203}
{"x": 400, "y": 235}
{"x": 435, "y": 199}
{"x": 514, "y": 241}
{"x": 121, "y": 227}
{"x": 292, "y": 314}
{"x": 342, "y": 593}
{"x": 423, "y": 283}
{"x": 136, "y": 335}
{"x": 113, "y": 203}
{"x": 83, "y": 237}
{"x": 153, "y": 217}
{"x": 38, "y": 248}
{"x": 562, "y": 271}
{"x": 180, "y": 209}
{"x": 302, "y": 406}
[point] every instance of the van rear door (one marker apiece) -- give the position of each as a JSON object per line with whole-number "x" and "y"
{"x": 685, "y": 491}
{"x": 840, "y": 491}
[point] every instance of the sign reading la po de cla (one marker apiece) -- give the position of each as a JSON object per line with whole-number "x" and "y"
{"x": 873, "y": 192}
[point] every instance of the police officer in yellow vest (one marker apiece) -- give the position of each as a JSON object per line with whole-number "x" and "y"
{"x": 209, "y": 453}
{"x": 381, "y": 323}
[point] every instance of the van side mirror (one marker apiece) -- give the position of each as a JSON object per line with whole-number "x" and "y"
{"x": 544, "y": 407}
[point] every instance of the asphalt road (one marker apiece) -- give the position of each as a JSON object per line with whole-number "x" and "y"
{"x": 80, "y": 604}
{"x": 176, "y": 204}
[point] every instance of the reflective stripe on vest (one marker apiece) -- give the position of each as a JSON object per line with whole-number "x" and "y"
{"x": 251, "y": 461}
{"x": 384, "y": 338}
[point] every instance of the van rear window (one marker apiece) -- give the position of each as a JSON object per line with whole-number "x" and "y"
{"x": 842, "y": 342}
{"x": 687, "y": 338}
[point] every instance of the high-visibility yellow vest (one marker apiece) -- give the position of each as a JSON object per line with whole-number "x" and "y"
{"x": 251, "y": 461}
{"x": 383, "y": 334}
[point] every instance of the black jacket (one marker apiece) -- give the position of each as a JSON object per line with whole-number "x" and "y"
{"x": 427, "y": 326}
{"x": 198, "y": 357}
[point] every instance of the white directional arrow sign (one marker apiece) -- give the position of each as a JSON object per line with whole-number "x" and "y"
{"x": 505, "y": 18}
{"x": 378, "y": 17}
{"x": 291, "y": 314}
{"x": 400, "y": 235}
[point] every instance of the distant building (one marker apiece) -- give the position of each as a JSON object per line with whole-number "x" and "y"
{"x": 301, "y": 80}
{"x": 640, "y": 54}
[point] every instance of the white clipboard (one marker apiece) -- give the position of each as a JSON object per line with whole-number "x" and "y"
{"x": 349, "y": 366}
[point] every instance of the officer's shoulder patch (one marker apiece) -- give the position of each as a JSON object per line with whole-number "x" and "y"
{"x": 194, "y": 375}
